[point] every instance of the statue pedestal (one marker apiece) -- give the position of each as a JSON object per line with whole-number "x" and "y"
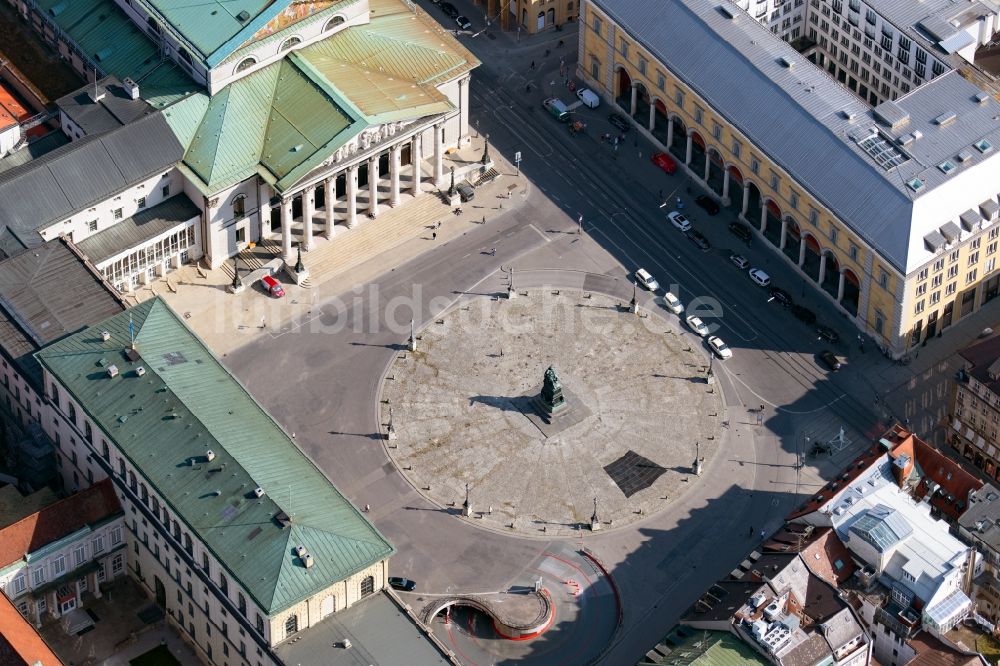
{"x": 298, "y": 277}
{"x": 710, "y": 379}
{"x": 454, "y": 200}
{"x": 238, "y": 289}
{"x": 595, "y": 524}
{"x": 467, "y": 509}
{"x": 511, "y": 293}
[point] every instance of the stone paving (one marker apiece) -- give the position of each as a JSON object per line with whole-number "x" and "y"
{"x": 458, "y": 407}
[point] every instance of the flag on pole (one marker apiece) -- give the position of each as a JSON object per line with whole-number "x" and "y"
{"x": 131, "y": 330}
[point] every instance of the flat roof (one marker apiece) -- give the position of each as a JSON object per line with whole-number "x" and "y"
{"x": 828, "y": 139}
{"x": 136, "y": 230}
{"x": 184, "y": 404}
{"x": 114, "y": 108}
{"x": 367, "y": 624}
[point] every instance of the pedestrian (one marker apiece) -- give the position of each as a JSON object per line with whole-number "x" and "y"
{"x": 434, "y": 236}
{"x": 484, "y": 219}
{"x": 438, "y": 225}
{"x": 762, "y": 409}
{"x": 750, "y": 531}
{"x": 527, "y": 87}
{"x": 493, "y": 252}
{"x": 560, "y": 42}
{"x": 532, "y": 64}
{"x": 263, "y": 323}
{"x": 762, "y": 534}
{"x": 368, "y": 507}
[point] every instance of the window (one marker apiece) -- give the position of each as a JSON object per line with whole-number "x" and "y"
{"x": 597, "y": 26}
{"x": 260, "y": 624}
{"x": 19, "y": 584}
{"x": 79, "y": 555}
{"x": 679, "y": 98}
{"x": 919, "y": 307}
{"x": 952, "y": 272}
{"x": 935, "y": 298}
{"x": 953, "y": 257}
{"x": 973, "y": 259}
{"x": 754, "y": 164}
{"x": 833, "y": 235}
{"x": 716, "y": 131}
{"x": 92, "y": 226}
{"x": 141, "y": 201}
{"x": 775, "y": 181}
{"x": 921, "y": 289}
{"x": 661, "y": 81}
{"x": 883, "y": 278}
{"x": 737, "y": 149}
{"x": 291, "y": 625}
{"x": 936, "y": 281}
{"x": 642, "y": 66}
{"x": 922, "y": 275}
{"x": 38, "y": 577}
{"x": 970, "y": 277}
{"x": 165, "y": 191}
{"x": 699, "y": 115}
{"x": 367, "y": 585}
{"x": 241, "y": 235}
{"x": 58, "y": 566}
{"x": 116, "y": 536}
{"x": 289, "y": 43}
{"x": 97, "y": 544}
{"x": 118, "y": 214}
{"x": 990, "y": 265}
{"x": 793, "y": 200}
{"x": 223, "y": 584}
{"x": 623, "y": 48}
{"x": 241, "y": 604}
{"x": 853, "y": 252}
{"x": 204, "y": 561}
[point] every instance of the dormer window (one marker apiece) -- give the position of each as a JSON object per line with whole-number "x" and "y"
{"x": 289, "y": 43}
{"x": 246, "y": 63}
{"x": 333, "y": 23}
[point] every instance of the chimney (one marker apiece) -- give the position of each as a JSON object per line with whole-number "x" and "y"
{"x": 132, "y": 88}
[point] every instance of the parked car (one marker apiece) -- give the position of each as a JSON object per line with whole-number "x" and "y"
{"x": 643, "y": 277}
{"x": 673, "y": 303}
{"x": 463, "y": 23}
{"x": 782, "y": 297}
{"x": 466, "y": 191}
{"x": 741, "y": 231}
{"x": 404, "y": 584}
{"x": 760, "y": 277}
{"x": 619, "y": 122}
{"x": 699, "y": 239}
{"x": 272, "y": 286}
{"x": 804, "y": 314}
{"x": 828, "y": 334}
{"x": 710, "y": 205}
{"x": 679, "y": 221}
{"x": 556, "y": 107}
{"x": 588, "y": 97}
{"x": 665, "y": 162}
{"x": 721, "y": 349}
{"x": 449, "y": 10}
{"x": 697, "y": 325}
{"x": 739, "y": 260}
{"x": 831, "y": 360}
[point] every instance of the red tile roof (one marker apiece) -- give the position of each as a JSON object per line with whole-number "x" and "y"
{"x": 823, "y": 554}
{"x": 933, "y": 652}
{"x": 20, "y": 644}
{"x": 55, "y": 521}
{"x": 936, "y": 467}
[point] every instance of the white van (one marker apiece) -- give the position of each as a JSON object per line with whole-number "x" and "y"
{"x": 588, "y": 97}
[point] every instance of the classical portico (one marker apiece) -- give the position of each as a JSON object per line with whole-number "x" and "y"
{"x": 403, "y": 151}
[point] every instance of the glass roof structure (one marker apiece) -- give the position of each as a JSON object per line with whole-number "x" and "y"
{"x": 882, "y": 527}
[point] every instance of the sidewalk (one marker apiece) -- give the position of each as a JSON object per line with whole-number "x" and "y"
{"x": 352, "y": 257}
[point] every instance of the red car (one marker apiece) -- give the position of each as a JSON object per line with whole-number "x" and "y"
{"x": 665, "y": 162}
{"x": 272, "y": 286}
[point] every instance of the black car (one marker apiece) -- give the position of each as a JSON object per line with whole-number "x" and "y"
{"x": 463, "y": 23}
{"x": 449, "y": 10}
{"x": 404, "y": 584}
{"x": 708, "y": 203}
{"x": 782, "y": 297}
{"x": 804, "y": 314}
{"x": 741, "y": 231}
{"x": 699, "y": 239}
{"x": 466, "y": 191}
{"x": 619, "y": 122}
{"x": 831, "y": 360}
{"x": 827, "y": 333}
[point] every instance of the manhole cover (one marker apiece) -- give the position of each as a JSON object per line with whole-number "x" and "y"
{"x": 633, "y": 473}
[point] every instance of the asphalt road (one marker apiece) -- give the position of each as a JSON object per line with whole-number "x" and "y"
{"x": 322, "y": 380}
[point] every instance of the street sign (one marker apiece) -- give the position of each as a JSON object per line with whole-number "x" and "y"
{"x": 517, "y": 162}
{"x": 517, "y": 156}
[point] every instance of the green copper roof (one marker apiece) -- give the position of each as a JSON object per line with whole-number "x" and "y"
{"x": 277, "y": 120}
{"x": 207, "y": 25}
{"x": 186, "y": 404}
{"x": 119, "y": 47}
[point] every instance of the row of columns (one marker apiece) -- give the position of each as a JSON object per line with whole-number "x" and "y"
{"x": 351, "y": 177}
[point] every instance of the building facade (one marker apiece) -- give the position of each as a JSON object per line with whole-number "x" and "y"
{"x": 533, "y": 16}
{"x": 878, "y": 189}
{"x": 975, "y": 407}
{"x": 299, "y": 121}
{"x": 206, "y": 477}
{"x": 56, "y": 558}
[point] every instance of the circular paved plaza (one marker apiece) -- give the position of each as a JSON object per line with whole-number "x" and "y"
{"x": 465, "y": 411}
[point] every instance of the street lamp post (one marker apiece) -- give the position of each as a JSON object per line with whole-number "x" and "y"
{"x": 413, "y": 338}
{"x": 634, "y": 304}
{"x": 237, "y": 281}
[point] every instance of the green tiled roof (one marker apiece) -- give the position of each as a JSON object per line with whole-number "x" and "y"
{"x": 186, "y": 404}
{"x": 691, "y": 647}
{"x": 119, "y": 47}
{"x": 271, "y": 122}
